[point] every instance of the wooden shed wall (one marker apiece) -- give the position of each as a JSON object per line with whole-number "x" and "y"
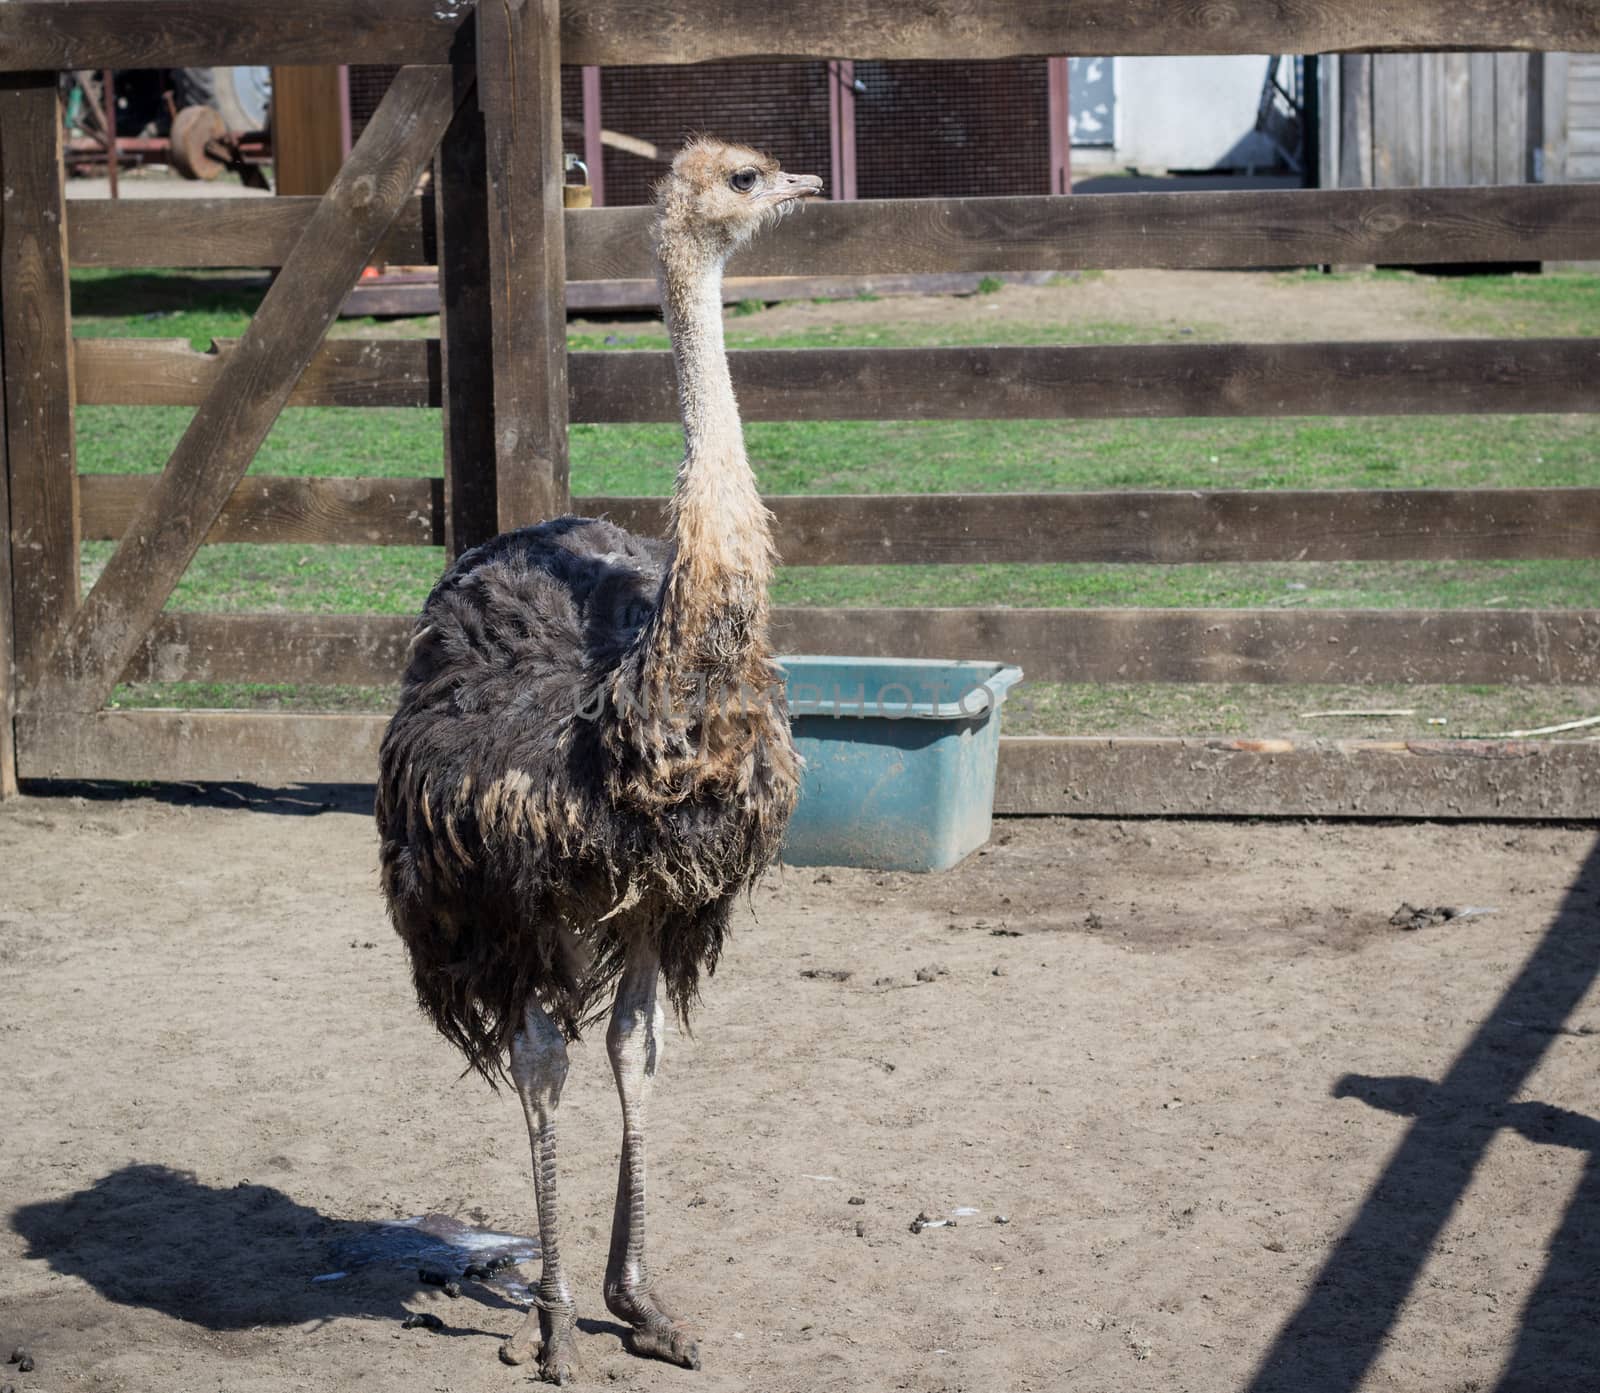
{"x": 1428, "y": 119}
{"x": 1583, "y": 116}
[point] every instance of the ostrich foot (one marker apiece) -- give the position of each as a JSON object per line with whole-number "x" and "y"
{"x": 547, "y": 1334}
{"x": 655, "y": 1331}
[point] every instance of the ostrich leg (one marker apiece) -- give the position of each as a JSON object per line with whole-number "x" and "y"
{"x": 538, "y": 1069}
{"x": 634, "y": 1040}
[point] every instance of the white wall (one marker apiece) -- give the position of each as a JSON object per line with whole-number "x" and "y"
{"x": 1190, "y": 113}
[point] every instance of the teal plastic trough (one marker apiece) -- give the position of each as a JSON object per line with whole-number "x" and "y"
{"x": 899, "y": 759}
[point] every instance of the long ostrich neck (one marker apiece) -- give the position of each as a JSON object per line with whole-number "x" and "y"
{"x": 714, "y": 602}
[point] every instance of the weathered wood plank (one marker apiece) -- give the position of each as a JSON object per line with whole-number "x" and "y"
{"x": 8, "y": 651}
{"x": 1455, "y": 130}
{"x": 1444, "y": 376}
{"x": 1397, "y": 120}
{"x": 1162, "y": 528}
{"x": 1130, "y": 777}
{"x": 1214, "y": 229}
{"x": 1203, "y": 230}
{"x": 1358, "y": 647}
{"x": 36, "y": 328}
{"x": 1511, "y": 117}
{"x": 342, "y": 372}
{"x": 466, "y": 332}
{"x": 1291, "y": 379}
{"x": 268, "y": 509}
{"x": 519, "y": 91}
{"x": 1167, "y": 527}
{"x": 1481, "y": 116}
{"x": 1355, "y": 121}
{"x": 252, "y": 747}
{"x": 62, "y": 34}
{"x": 218, "y": 232}
{"x": 1555, "y": 116}
{"x": 1173, "y": 527}
{"x": 183, "y": 33}
{"x": 251, "y": 389}
{"x": 362, "y": 650}
{"x": 1108, "y": 776}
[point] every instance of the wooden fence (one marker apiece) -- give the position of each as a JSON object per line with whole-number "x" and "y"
{"x": 478, "y": 97}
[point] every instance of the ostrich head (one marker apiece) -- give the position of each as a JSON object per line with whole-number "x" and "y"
{"x": 717, "y": 196}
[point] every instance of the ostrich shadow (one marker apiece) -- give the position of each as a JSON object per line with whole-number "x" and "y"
{"x": 1352, "y": 1305}
{"x": 231, "y": 1259}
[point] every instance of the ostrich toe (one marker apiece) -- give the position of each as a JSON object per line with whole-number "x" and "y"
{"x": 654, "y": 1330}
{"x": 547, "y": 1335}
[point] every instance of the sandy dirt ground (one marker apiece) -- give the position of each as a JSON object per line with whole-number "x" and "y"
{"x": 1260, "y": 306}
{"x": 1162, "y": 306}
{"x": 1247, "y": 1134}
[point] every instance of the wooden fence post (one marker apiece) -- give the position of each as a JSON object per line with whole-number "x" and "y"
{"x": 8, "y": 662}
{"x": 466, "y": 339}
{"x": 519, "y": 90}
{"x": 36, "y": 326}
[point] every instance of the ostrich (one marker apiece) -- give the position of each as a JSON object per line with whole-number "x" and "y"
{"x": 591, "y": 759}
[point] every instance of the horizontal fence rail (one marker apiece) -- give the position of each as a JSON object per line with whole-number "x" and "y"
{"x": 1355, "y": 647}
{"x": 58, "y": 34}
{"x": 1117, "y": 776}
{"x": 1184, "y": 231}
{"x": 1131, "y": 777}
{"x": 1391, "y": 378}
{"x": 1162, "y": 527}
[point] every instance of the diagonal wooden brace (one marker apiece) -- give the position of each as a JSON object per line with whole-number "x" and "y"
{"x": 250, "y": 390}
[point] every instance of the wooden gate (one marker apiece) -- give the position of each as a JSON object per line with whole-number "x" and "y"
{"x": 484, "y": 90}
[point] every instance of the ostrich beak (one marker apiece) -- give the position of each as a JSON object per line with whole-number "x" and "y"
{"x": 789, "y": 187}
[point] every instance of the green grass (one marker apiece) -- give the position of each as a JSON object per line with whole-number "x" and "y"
{"x": 1063, "y": 708}
{"x": 1560, "y": 306}
{"x": 163, "y": 305}
{"x": 932, "y": 456}
{"x": 915, "y": 457}
{"x": 1328, "y": 585}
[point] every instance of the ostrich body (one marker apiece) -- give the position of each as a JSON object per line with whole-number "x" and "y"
{"x": 591, "y": 759}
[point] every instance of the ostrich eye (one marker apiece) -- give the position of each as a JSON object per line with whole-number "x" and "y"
{"x": 743, "y": 181}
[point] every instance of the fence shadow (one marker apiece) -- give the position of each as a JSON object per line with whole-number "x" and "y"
{"x": 231, "y": 1259}
{"x": 1351, "y": 1306}
{"x": 292, "y": 800}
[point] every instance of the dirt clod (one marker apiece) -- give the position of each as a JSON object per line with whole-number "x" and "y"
{"x": 932, "y": 972}
{"x": 861, "y": 1229}
{"x": 826, "y": 974}
{"x": 422, "y": 1320}
{"x": 856, "y": 1199}
{"x": 1410, "y": 918}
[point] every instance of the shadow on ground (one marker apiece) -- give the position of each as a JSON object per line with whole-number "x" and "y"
{"x": 1332, "y": 1341}
{"x": 295, "y": 800}
{"x": 151, "y": 1236}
